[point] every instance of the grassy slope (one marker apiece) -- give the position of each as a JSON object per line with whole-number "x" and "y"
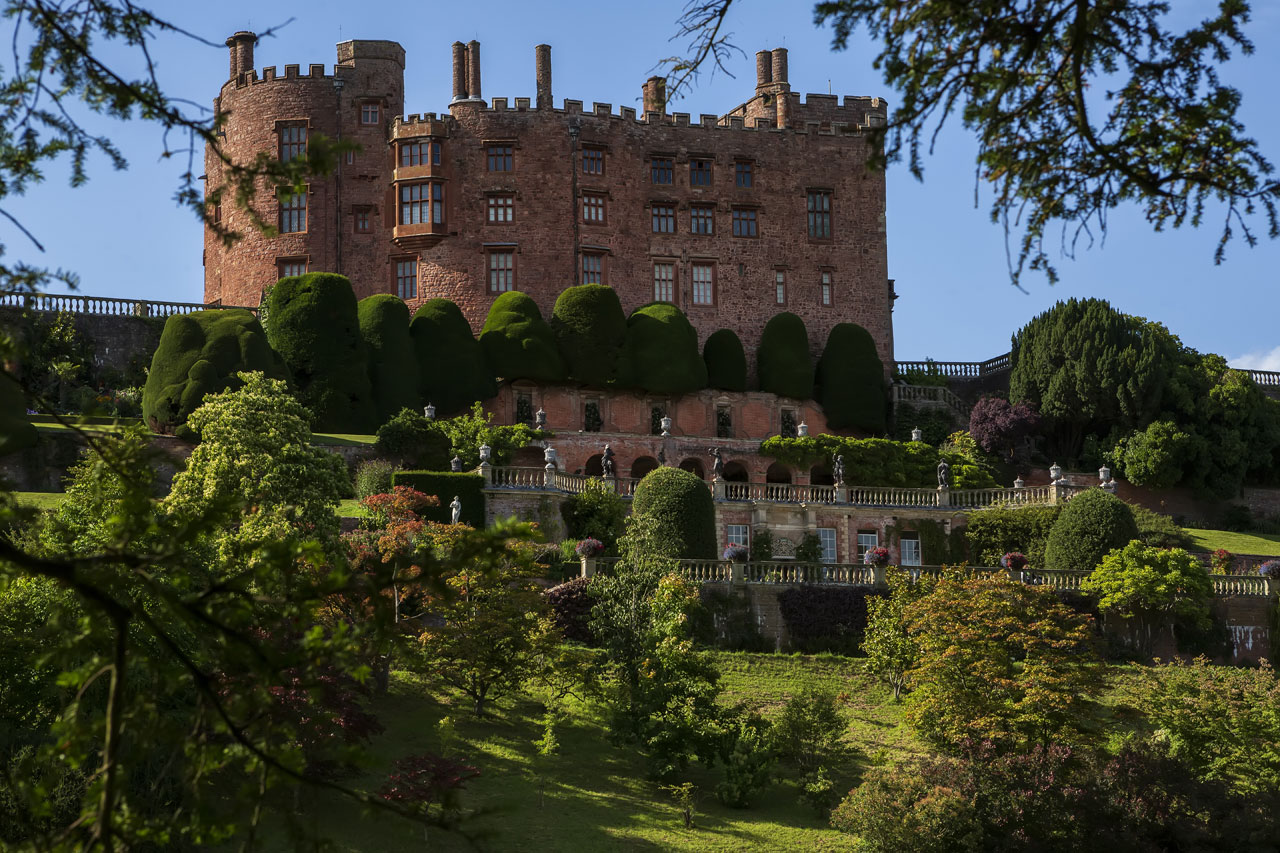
{"x": 39, "y": 500}
{"x": 1237, "y": 543}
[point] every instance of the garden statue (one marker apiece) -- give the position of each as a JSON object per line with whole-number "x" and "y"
{"x": 662, "y": 456}
{"x": 606, "y": 462}
{"x": 944, "y": 474}
{"x": 456, "y": 509}
{"x": 837, "y": 470}
{"x": 717, "y": 464}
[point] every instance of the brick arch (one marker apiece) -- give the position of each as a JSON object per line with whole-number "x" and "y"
{"x": 820, "y": 475}
{"x": 736, "y": 472}
{"x": 779, "y": 473}
{"x": 643, "y": 465}
{"x": 694, "y": 466}
{"x": 594, "y": 466}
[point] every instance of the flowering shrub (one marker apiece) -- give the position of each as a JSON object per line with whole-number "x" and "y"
{"x": 735, "y": 552}
{"x": 1270, "y": 569}
{"x": 878, "y": 556}
{"x": 589, "y": 548}
{"x": 1222, "y": 561}
{"x": 1014, "y": 561}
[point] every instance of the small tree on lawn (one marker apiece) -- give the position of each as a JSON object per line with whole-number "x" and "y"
{"x": 891, "y": 650}
{"x": 1150, "y": 586}
{"x": 494, "y": 628}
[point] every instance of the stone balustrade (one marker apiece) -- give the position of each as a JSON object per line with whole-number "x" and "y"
{"x": 77, "y": 303}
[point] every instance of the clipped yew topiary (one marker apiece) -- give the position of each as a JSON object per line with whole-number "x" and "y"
{"x": 726, "y": 361}
{"x": 681, "y": 505}
{"x": 590, "y": 329}
{"x": 314, "y": 325}
{"x": 451, "y": 365}
{"x": 199, "y": 354}
{"x": 393, "y": 369}
{"x": 661, "y": 352}
{"x": 518, "y": 343}
{"x": 783, "y": 360}
{"x": 851, "y": 383}
{"x": 1090, "y": 526}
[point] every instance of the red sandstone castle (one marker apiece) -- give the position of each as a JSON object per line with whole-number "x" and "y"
{"x": 733, "y": 218}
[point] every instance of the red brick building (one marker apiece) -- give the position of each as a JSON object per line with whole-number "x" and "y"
{"x": 734, "y": 218}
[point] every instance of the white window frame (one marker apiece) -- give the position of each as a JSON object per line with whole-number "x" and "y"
{"x": 731, "y": 536}
{"x": 827, "y": 537}
{"x": 664, "y": 285}
{"x": 909, "y": 550}
{"x": 867, "y": 539}
{"x": 704, "y": 290}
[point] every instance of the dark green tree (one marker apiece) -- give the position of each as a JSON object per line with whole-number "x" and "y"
{"x": 393, "y": 369}
{"x": 851, "y": 384}
{"x": 313, "y": 324}
{"x": 16, "y": 431}
{"x": 518, "y": 343}
{"x": 202, "y": 353}
{"x": 726, "y": 361}
{"x": 783, "y": 360}
{"x": 590, "y": 329}
{"x": 450, "y": 362}
{"x": 661, "y": 351}
{"x": 1090, "y": 526}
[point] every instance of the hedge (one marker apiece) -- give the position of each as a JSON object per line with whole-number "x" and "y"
{"x": 851, "y": 383}
{"x": 661, "y": 353}
{"x": 995, "y": 531}
{"x": 1088, "y": 528}
{"x": 783, "y": 361}
{"x": 313, "y": 324}
{"x": 591, "y": 330}
{"x": 468, "y": 487}
{"x": 198, "y": 354}
{"x": 682, "y": 506}
{"x": 393, "y": 369}
{"x": 825, "y": 618}
{"x": 451, "y": 364}
{"x": 16, "y": 430}
{"x": 517, "y": 342}
{"x": 726, "y": 361}
{"x": 571, "y": 604}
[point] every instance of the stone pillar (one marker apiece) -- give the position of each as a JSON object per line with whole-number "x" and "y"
{"x": 784, "y": 110}
{"x": 473, "y": 70}
{"x": 241, "y": 45}
{"x": 655, "y": 95}
{"x": 944, "y": 496}
{"x": 459, "y": 71}
{"x": 486, "y": 471}
{"x": 737, "y": 573}
{"x": 542, "y": 63}
{"x": 717, "y": 489}
{"x": 588, "y": 567}
{"x": 549, "y": 476}
{"x": 877, "y": 576}
{"x": 764, "y": 69}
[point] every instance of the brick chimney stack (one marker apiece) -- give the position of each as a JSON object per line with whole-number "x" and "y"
{"x": 473, "y": 70}
{"x": 459, "y": 71}
{"x": 655, "y": 95}
{"x": 241, "y": 45}
{"x": 779, "y": 56}
{"x": 764, "y": 69}
{"x": 542, "y": 63}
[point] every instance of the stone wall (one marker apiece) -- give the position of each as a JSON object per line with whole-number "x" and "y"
{"x": 119, "y": 342}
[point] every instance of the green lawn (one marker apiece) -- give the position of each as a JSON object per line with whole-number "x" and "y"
{"x": 1265, "y": 544}
{"x": 40, "y": 500}
{"x": 350, "y": 508}
{"x": 341, "y": 439}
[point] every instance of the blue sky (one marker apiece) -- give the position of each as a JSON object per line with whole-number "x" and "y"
{"x": 125, "y": 236}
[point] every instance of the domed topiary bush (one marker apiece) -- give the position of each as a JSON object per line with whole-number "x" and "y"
{"x": 314, "y": 326}
{"x": 590, "y": 329}
{"x": 451, "y": 365}
{"x": 783, "y": 361}
{"x": 198, "y": 354}
{"x": 518, "y": 343}
{"x": 681, "y": 505}
{"x": 661, "y": 352}
{"x": 851, "y": 383}
{"x": 1090, "y": 526}
{"x": 393, "y": 369}
{"x": 726, "y": 361}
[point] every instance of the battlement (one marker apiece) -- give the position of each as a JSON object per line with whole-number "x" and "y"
{"x": 351, "y": 54}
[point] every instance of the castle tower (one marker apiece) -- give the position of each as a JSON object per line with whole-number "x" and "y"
{"x": 340, "y": 224}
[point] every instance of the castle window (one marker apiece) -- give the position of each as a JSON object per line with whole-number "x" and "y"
{"x": 419, "y": 153}
{"x": 702, "y": 219}
{"x": 369, "y": 113}
{"x": 704, "y": 284}
{"x": 827, "y": 538}
{"x": 500, "y": 159}
{"x": 744, "y": 223}
{"x": 699, "y": 173}
{"x": 592, "y": 268}
{"x": 737, "y": 534}
{"x": 362, "y": 216}
{"x": 592, "y": 161}
{"x": 724, "y": 422}
{"x": 591, "y": 420}
{"x": 660, "y": 170}
{"x": 501, "y": 209}
{"x": 826, "y": 288}
{"x": 867, "y": 539}
{"x": 909, "y": 549}
{"x": 293, "y": 142}
{"x": 664, "y": 282}
{"x": 502, "y": 270}
{"x": 779, "y": 287}
{"x": 820, "y": 214}
{"x": 524, "y": 408}
{"x": 292, "y": 266}
{"x": 593, "y": 208}
{"x": 742, "y": 175}
{"x": 787, "y": 423}
{"x": 407, "y": 278}
{"x": 293, "y": 213}
{"x": 422, "y": 204}
{"x": 664, "y": 219}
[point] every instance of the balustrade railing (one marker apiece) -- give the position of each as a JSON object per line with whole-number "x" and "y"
{"x": 1250, "y": 585}
{"x": 957, "y": 369}
{"x": 890, "y": 496}
{"x": 519, "y": 478}
{"x": 77, "y": 303}
{"x": 1265, "y": 378}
